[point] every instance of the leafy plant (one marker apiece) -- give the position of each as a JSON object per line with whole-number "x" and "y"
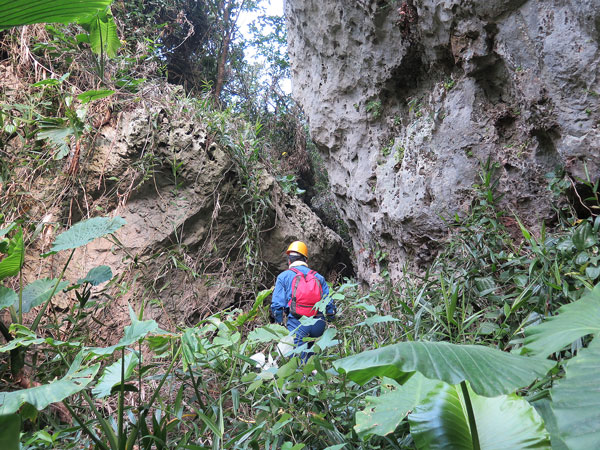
{"x": 289, "y": 185}
{"x": 40, "y": 292}
{"x": 373, "y": 107}
{"x": 23, "y": 12}
{"x": 102, "y": 37}
{"x": 479, "y": 365}
{"x": 444, "y": 420}
{"x": 574, "y": 398}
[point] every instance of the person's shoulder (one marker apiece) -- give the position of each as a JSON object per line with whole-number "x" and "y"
{"x": 286, "y": 273}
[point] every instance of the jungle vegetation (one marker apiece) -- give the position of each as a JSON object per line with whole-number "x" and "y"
{"x": 492, "y": 346}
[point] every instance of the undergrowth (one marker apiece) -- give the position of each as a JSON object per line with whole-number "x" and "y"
{"x": 230, "y": 382}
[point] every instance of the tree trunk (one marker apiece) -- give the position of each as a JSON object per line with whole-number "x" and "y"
{"x": 228, "y": 29}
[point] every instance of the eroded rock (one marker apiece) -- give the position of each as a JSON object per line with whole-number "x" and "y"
{"x": 407, "y": 99}
{"x": 186, "y": 244}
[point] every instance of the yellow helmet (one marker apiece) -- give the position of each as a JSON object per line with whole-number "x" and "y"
{"x": 298, "y": 247}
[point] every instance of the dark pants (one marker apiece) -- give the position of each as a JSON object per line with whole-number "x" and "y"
{"x": 301, "y": 331}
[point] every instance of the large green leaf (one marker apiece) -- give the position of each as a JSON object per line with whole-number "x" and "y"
{"x": 36, "y": 293}
{"x": 327, "y": 339}
{"x": 382, "y": 414}
{"x": 25, "y": 12}
{"x": 573, "y": 321}
{"x": 484, "y": 367}
{"x": 103, "y": 36}
{"x": 10, "y": 432}
{"x": 90, "y": 96}
{"x": 41, "y": 396}
{"x": 506, "y": 422}
{"x": 584, "y": 236}
{"x": 112, "y": 375}
{"x": 97, "y": 275}
{"x": 84, "y": 232}
{"x": 268, "y": 333}
{"x": 441, "y": 422}
{"x": 12, "y": 263}
{"x": 576, "y": 400}
{"x": 8, "y": 297}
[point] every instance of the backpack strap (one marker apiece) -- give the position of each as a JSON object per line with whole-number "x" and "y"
{"x": 314, "y": 273}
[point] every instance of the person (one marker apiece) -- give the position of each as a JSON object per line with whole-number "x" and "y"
{"x": 284, "y": 301}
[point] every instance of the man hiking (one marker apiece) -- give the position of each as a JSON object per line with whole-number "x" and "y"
{"x": 296, "y": 292}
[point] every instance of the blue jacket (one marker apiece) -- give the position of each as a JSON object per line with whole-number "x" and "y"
{"x": 283, "y": 293}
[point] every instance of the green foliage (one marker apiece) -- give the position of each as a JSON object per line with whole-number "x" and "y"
{"x": 84, "y": 232}
{"x": 112, "y": 376}
{"x": 504, "y": 422}
{"x": 575, "y": 399}
{"x": 481, "y": 366}
{"x": 15, "y": 254}
{"x": 383, "y": 414}
{"x": 103, "y": 35}
{"x": 59, "y": 131}
{"x": 24, "y": 12}
{"x": 40, "y": 291}
{"x": 373, "y": 107}
{"x": 96, "y": 276}
{"x": 449, "y": 84}
{"x": 289, "y": 185}
{"x": 387, "y": 149}
{"x": 10, "y": 425}
{"x": 572, "y": 322}
{"x": 75, "y": 380}
{"x": 133, "y": 333}
{"x": 8, "y": 297}
{"x": 90, "y": 96}
{"x": 258, "y": 303}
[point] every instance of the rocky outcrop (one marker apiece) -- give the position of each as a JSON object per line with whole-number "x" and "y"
{"x": 407, "y": 98}
{"x": 203, "y": 231}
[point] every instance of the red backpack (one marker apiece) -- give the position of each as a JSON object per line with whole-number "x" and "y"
{"x": 306, "y": 293}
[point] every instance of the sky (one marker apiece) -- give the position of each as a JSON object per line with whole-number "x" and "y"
{"x": 272, "y": 7}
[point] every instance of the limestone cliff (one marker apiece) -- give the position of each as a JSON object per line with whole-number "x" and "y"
{"x": 207, "y": 224}
{"x": 407, "y": 98}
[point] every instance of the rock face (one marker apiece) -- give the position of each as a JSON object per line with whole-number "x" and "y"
{"x": 408, "y": 98}
{"x": 186, "y": 247}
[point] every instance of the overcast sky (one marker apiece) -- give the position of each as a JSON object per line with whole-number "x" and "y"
{"x": 273, "y": 8}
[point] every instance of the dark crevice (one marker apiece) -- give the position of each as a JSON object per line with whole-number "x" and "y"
{"x": 405, "y": 77}
{"x": 505, "y": 124}
{"x": 582, "y": 197}
{"x": 546, "y": 147}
